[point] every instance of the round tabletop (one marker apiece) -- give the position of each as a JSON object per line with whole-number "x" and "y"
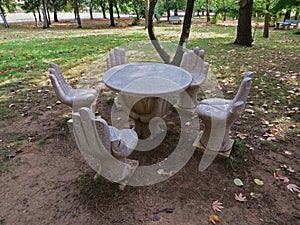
{"x": 147, "y": 79}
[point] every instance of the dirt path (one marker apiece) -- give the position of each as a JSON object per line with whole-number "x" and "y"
{"x": 47, "y": 181}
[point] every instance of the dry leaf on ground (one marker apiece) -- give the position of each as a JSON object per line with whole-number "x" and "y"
{"x": 278, "y": 176}
{"x": 258, "y": 182}
{"x": 217, "y": 206}
{"x": 240, "y": 197}
{"x": 293, "y": 187}
{"x": 213, "y": 218}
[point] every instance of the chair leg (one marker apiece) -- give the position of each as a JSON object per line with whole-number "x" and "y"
{"x": 188, "y": 98}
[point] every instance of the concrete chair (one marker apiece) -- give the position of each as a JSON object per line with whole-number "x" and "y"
{"x": 75, "y": 98}
{"x": 116, "y": 56}
{"x": 105, "y": 148}
{"x": 218, "y": 116}
{"x": 193, "y": 62}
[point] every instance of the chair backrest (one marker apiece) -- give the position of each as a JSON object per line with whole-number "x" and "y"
{"x": 193, "y": 62}
{"x": 92, "y": 136}
{"x": 116, "y": 57}
{"x": 56, "y": 71}
{"x": 243, "y": 91}
{"x": 61, "y": 87}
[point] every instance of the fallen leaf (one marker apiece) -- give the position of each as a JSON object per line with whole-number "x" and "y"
{"x": 156, "y": 218}
{"x": 288, "y": 152}
{"x": 254, "y": 195}
{"x": 188, "y": 123}
{"x": 249, "y": 111}
{"x": 275, "y": 131}
{"x": 293, "y": 187}
{"x": 217, "y": 206}
{"x": 242, "y": 136}
{"x": 238, "y": 182}
{"x": 259, "y": 182}
{"x": 287, "y": 168}
{"x": 213, "y": 218}
{"x": 278, "y": 176}
{"x": 240, "y": 197}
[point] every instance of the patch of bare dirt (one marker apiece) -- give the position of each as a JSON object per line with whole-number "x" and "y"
{"x": 47, "y": 180}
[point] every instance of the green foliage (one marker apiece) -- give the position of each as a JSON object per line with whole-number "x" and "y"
{"x": 8, "y": 5}
{"x": 238, "y": 155}
{"x": 31, "y": 5}
{"x": 280, "y": 5}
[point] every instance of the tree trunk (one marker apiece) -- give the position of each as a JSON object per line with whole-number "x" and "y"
{"x": 102, "y": 5}
{"x": 3, "y": 18}
{"x": 111, "y": 13}
{"x": 183, "y": 38}
{"x": 91, "y": 13}
{"x": 136, "y": 11}
{"x": 35, "y": 18}
{"x": 39, "y": 12}
{"x": 76, "y": 11}
{"x": 45, "y": 18}
{"x": 267, "y": 18}
{"x": 176, "y": 12}
{"x": 55, "y": 16}
{"x": 117, "y": 9}
{"x": 244, "y": 34}
{"x": 48, "y": 16}
{"x": 146, "y": 13}
{"x": 187, "y": 22}
{"x": 162, "y": 53}
{"x": 287, "y": 15}
{"x": 207, "y": 11}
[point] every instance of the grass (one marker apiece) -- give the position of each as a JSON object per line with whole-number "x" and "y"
{"x": 26, "y": 51}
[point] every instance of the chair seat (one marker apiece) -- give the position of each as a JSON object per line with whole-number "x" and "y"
{"x": 123, "y": 141}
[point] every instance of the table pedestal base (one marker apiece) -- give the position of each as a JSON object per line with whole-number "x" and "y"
{"x": 197, "y": 144}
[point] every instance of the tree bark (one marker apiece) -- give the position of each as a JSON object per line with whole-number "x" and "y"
{"x": 35, "y": 18}
{"x": 287, "y": 15}
{"x": 183, "y": 38}
{"x": 48, "y": 16}
{"x": 267, "y": 18}
{"x": 45, "y": 18}
{"x": 187, "y": 22}
{"x": 111, "y": 13}
{"x": 3, "y": 18}
{"x": 91, "y": 13}
{"x": 77, "y": 16}
{"x": 55, "y": 16}
{"x": 117, "y": 9}
{"x": 162, "y": 53}
{"x": 102, "y": 5}
{"x": 244, "y": 33}
{"x": 39, "y": 13}
{"x": 207, "y": 11}
{"x": 146, "y": 13}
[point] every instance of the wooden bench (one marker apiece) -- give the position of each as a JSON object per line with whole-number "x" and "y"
{"x": 286, "y": 24}
{"x": 174, "y": 19}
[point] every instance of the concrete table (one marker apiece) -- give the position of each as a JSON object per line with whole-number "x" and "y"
{"x": 144, "y": 87}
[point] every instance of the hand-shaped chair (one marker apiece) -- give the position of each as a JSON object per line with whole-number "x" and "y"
{"x": 75, "y": 98}
{"x": 104, "y": 147}
{"x": 116, "y": 57}
{"x": 218, "y": 116}
{"x": 193, "y": 62}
